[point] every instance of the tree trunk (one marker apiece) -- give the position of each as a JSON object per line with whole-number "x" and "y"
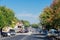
{"x": 1, "y": 31}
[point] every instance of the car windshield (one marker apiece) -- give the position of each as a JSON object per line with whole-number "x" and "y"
{"x": 53, "y": 31}
{"x": 11, "y": 30}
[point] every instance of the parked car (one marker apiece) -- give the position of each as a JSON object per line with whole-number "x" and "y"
{"x": 59, "y": 32}
{"x": 12, "y": 32}
{"x": 26, "y": 31}
{"x": 5, "y": 34}
{"x": 58, "y": 37}
{"x": 43, "y": 33}
{"x": 53, "y": 32}
{"x": 20, "y": 32}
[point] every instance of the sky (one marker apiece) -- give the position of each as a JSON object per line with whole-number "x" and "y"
{"x": 27, "y": 9}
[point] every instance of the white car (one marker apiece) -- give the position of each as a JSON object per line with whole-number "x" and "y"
{"x": 12, "y": 32}
{"x": 5, "y": 34}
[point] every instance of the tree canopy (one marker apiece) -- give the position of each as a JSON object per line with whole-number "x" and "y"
{"x": 26, "y": 23}
{"x": 7, "y": 17}
{"x": 35, "y": 25}
{"x": 50, "y": 17}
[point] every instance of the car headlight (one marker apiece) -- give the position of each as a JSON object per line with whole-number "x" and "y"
{"x": 49, "y": 34}
{"x": 8, "y": 33}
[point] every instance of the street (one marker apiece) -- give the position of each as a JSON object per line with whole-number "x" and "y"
{"x": 35, "y": 35}
{"x": 18, "y": 37}
{"x": 29, "y": 20}
{"x": 25, "y": 37}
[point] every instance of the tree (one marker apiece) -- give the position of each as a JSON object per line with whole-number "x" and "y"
{"x": 7, "y": 17}
{"x": 26, "y": 23}
{"x": 35, "y": 25}
{"x": 46, "y": 18}
{"x": 51, "y": 15}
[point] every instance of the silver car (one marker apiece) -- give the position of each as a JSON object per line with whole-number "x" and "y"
{"x": 52, "y": 32}
{"x": 12, "y": 32}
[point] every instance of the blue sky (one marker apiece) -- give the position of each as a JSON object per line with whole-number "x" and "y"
{"x": 27, "y": 9}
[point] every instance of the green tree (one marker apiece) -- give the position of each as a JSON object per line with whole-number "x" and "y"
{"x": 51, "y": 15}
{"x": 7, "y": 17}
{"x": 26, "y": 23}
{"x": 35, "y": 25}
{"x": 46, "y": 18}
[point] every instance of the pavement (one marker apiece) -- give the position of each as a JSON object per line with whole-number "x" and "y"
{"x": 18, "y": 37}
{"x": 26, "y": 36}
{"x": 23, "y": 37}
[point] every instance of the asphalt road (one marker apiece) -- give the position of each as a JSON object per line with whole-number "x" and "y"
{"x": 36, "y": 37}
{"x": 18, "y": 37}
{"x": 26, "y": 37}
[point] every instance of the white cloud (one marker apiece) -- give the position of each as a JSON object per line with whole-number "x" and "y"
{"x": 27, "y": 15}
{"x": 32, "y": 18}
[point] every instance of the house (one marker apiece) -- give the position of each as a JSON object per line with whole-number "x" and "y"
{"x": 6, "y": 29}
{"x": 19, "y": 27}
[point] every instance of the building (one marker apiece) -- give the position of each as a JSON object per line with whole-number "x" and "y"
{"x": 19, "y": 27}
{"x": 6, "y": 29}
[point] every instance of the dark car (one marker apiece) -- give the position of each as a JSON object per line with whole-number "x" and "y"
{"x": 20, "y": 32}
{"x": 26, "y": 30}
{"x": 59, "y": 32}
{"x": 12, "y": 32}
{"x": 5, "y": 34}
{"x": 43, "y": 33}
{"x": 58, "y": 37}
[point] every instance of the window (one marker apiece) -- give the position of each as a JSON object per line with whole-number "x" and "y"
{"x": 19, "y": 26}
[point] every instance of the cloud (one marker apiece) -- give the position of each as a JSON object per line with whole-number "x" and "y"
{"x": 32, "y": 18}
{"x": 27, "y": 15}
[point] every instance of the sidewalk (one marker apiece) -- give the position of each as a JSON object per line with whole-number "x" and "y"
{"x": 29, "y": 33}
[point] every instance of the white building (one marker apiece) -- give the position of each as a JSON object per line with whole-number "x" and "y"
{"x": 6, "y": 29}
{"x": 19, "y": 27}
